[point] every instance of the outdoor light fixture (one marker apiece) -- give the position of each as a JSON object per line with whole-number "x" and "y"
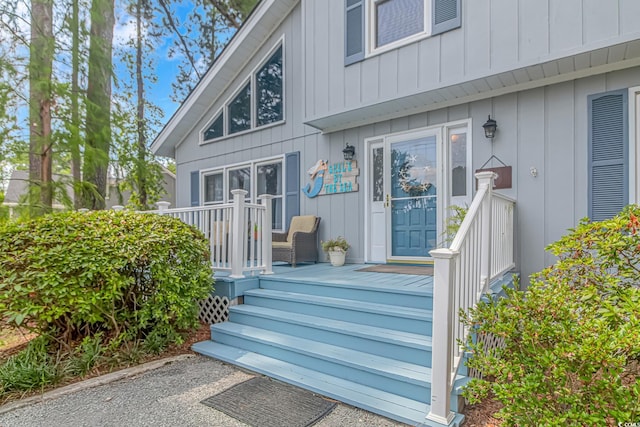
{"x": 490, "y": 127}
{"x": 349, "y": 151}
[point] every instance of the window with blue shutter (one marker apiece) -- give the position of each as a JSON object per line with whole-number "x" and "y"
{"x": 445, "y": 16}
{"x": 608, "y": 154}
{"x": 392, "y": 23}
{"x": 354, "y": 31}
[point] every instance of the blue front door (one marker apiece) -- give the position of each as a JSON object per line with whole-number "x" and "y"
{"x": 413, "y": 213}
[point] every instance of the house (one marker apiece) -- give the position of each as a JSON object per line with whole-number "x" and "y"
{"x": 18, "y": 184}
{"x": 409, "y": 84}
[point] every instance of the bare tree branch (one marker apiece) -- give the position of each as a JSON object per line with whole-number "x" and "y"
{"x": 187, "y": 52}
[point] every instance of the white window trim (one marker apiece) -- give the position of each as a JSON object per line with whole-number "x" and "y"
{"x": 253, "y": 99}
{"x": 370, "y": 26}
{"x": 224, "y": 170}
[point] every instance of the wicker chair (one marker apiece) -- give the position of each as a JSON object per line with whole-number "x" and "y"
{"x": 300, "y": 243}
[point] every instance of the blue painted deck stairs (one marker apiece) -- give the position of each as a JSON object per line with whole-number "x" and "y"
{"x": 366, "y": 346}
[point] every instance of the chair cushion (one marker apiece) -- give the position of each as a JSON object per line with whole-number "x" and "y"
{"x": 303, "y": 223}
{"x": 284, "y": 245}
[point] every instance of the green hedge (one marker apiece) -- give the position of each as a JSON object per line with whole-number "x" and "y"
{"x": 572, "y": 339}
{"x": 125, "y": 275}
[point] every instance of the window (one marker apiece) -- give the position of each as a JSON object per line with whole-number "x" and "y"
{"x": 240, "y": 111}
{"x": 269, "y": 90}
{"x": 458, "y": 162}
{"x": 259, "y": 177}
{"x": 216, "y": 128}
{"x": 398, "y": 19}
{"x": 374, "y": 26}
{"x": 269, "y": 181}
{"x": 260, "y": 101}
{"x": 240, "y": 179}
{"x": 213, "y": 188}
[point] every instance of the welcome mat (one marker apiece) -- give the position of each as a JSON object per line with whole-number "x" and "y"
{"x": 263, "y": 402}
{"x": 399, "y": 269}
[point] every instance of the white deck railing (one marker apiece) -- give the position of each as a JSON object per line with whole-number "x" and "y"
{"x": 239, "y": 233}
{"x": 481, "y": 251}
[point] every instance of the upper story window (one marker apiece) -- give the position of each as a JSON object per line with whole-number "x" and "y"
{"x": 260, "y": 101}
{"x": 396, "y": 20}
{"x": 269, "y": 101}
{"x": 240, "y": 111}
{"x": 375, "y": 26}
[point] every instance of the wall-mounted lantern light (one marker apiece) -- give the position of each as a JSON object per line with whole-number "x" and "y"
{"x": 349, "y": 151}
{"x": 490, "y": 127}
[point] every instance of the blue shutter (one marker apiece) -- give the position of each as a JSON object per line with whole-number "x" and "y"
{"x": 292, "y": 186}
{"x": 353, "y": 31}
{"x": 446, "y": 15}
{"x": 608, "y": 154}
{"x": 195, "y": 188}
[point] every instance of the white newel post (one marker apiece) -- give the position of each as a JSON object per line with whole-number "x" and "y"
{"x": 239, "y": 234}
{"x": 162, "y": 206}
{"x": 266, "y": 233}
{"x": 442, "y": 336}
{"x": 485, "y": 179}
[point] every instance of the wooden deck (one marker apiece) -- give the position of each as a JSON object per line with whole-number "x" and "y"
{"x": 347, "y": 275}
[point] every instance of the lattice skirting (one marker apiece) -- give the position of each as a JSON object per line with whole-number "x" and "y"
{"x": 490, "y": 344}
{"x": 215, "y": 309}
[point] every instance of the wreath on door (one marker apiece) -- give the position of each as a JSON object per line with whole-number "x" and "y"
{"x": 411, "y": 186}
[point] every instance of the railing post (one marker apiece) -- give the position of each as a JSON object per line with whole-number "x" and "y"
{"x": 485, "y": 179}
{"x": 162, "y": 206}
{"x": 266, "y": 233}
{"x": 239, "y": 234}
{"x": 442, "y": 336}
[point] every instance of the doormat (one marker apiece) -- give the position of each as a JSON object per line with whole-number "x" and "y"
{"x": 400, "y": 269}
{"x": 264, "y": 402}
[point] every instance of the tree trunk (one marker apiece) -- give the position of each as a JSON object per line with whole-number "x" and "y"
{"x": 75, "y": 109}
{"x": 40, "y": 100}
{"x": 142, "y": 140}
{"x": 98, "y": 122}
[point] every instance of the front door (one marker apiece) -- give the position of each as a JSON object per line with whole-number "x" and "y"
{"x": 412, "y": 201}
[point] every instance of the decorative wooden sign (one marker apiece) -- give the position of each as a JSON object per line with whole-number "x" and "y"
{"x": 504, "y": 177}
{"x": 335, "y": 178}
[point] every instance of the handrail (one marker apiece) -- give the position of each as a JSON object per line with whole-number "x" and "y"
{"x": 239, "y": 233}
{"x": 481, "y": 250}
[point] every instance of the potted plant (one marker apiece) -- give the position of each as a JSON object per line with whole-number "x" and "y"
{"x": 336, "y": 249}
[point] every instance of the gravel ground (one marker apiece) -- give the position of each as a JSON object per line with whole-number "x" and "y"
{"x": 167, "y": 396}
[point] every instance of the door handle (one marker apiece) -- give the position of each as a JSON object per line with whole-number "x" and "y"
{"x": 387, "y": 202}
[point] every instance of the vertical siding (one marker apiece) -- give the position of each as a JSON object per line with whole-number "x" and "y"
{"x": 496, "y": 35}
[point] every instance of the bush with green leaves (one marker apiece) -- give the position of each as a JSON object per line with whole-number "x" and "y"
{"x": 572, "y": 339}
{"x": 125, "y": 275}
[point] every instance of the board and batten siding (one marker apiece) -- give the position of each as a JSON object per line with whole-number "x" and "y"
{"x": 495, "y": 36}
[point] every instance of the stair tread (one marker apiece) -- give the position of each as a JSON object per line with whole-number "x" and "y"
{"x": 378, "y": 401}
{"x": 370, "y": 332}
{"x": 368, "y": 286}
{"x": 384, "y": 309}
{"x": 408, "y": 372}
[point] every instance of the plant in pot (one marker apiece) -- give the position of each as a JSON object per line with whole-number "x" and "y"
{"x": 336, "y": 249}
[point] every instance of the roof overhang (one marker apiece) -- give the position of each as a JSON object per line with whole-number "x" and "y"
{"x": 267, "y": 15}
{"x": 570, "y": 66}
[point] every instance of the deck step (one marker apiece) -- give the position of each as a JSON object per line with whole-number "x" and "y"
{"x": 380, "y": 293}
{"x": 380, "y": 402}
{"x": 403, "y": 346}
{"x": 401, "y": 378}
{"x": 413, "y": 320}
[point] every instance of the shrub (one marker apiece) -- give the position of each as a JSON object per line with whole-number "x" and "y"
{"x": 127, "y": 275}
{"x": 31, "y": 369}
{"x": 572, "y": 339}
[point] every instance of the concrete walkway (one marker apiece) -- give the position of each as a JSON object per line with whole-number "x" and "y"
{"x": 162, "y": 393}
